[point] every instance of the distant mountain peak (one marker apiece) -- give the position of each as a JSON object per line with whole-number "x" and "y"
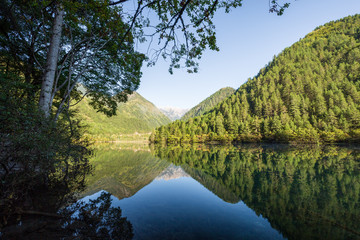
{"x": 173, "y": 113}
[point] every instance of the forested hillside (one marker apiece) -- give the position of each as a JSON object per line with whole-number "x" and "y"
{"x": 209, "y": 103}
{"x": 310, "y": 92}
{"x": 137, "y": 115}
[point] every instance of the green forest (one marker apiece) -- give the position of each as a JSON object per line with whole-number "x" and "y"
{"x": 309, "y": 93}
{"x": 305, "y": 193}
{"x": 209, "y": 103}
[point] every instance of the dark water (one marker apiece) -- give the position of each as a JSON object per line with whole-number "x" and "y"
{"x": 244, "y": 192}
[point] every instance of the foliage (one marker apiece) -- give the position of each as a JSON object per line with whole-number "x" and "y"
{"x": 43, "y": 166}
{"x": 209, "y": 103}
{"x": 95, "y": 41}
{"x": 309, "y": 93}
{"x": 185, "y": 28}
{"x": 307, "y": 192}
{"x": 36, "y": 156}
{"x": 95, "y": 50}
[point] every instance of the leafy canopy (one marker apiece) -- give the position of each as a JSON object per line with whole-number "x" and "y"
{"x": 97, "y": 47}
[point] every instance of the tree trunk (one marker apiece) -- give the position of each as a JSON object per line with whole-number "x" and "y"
{"x": 45, "y": 102}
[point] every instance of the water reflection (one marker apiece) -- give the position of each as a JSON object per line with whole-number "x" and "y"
{"x": 41, "y": 204}
{"x": 122, "y": 172}
{"x": 244, "y": 192}
{"x": 305, "y": 193}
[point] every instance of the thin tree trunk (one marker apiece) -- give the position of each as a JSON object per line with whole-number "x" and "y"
{"x": 45, "y": 102}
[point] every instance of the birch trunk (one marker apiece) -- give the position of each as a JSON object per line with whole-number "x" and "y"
{"x": 45, "y": 102}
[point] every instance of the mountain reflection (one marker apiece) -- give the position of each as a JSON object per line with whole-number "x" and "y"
{"x": 172, "y": 172}
{"x": 122, "y": 172}
{"x": 305, "y": 193}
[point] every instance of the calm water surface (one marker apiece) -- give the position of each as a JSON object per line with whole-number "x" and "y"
{"x": 244, "y": 192}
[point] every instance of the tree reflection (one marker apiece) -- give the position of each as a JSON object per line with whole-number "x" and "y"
{"x": 305, "y": 193}
{"x": 40, "y": 203}
{"x": 49, "y": 218}
{"x": 96, "y": 219}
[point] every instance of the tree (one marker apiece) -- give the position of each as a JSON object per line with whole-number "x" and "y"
{"x": 87, "y": 44}
{"x": 56, "y": 45}
{"x": 219, "y": 125}
{"x": 41, "y": 163}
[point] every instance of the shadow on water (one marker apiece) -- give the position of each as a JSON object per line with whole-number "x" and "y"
{"x": 304, "y": 192}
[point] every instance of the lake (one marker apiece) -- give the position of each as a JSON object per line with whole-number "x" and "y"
{"x": 232, "y": 192}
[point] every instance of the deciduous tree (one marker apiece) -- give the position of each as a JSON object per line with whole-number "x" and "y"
{"x": 55, "y": 45}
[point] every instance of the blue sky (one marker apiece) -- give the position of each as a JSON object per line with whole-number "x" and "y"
{"x": 248, "y": 38}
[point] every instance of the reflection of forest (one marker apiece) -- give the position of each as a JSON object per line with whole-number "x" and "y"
{"x": 122, "y": 172}
{"x": 212, "y": 184}
{"x": 306, "y": 193}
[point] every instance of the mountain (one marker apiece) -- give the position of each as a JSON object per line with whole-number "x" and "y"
{"x": 137, "y": 115}
{"x": 309, "y": 93}
{"x": 173, "y": 113}
{"x": 209, "y": 103}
